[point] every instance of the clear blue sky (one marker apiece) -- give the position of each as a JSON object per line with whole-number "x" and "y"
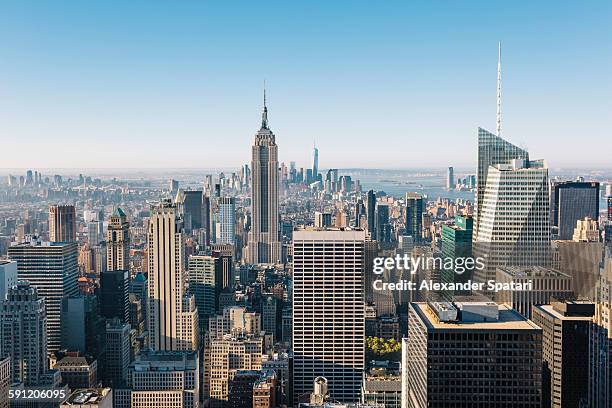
{"x": 377, "y": 84}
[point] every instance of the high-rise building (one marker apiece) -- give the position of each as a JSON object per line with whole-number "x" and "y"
{"x": 371, "y": 213}
{"x": 115, "y": 294}
{"x": 95, "y": 232}
{"x": 456, "y": 244}
{"x": 415, "y": 206}
{"x": 264, "y": 245}
{"x": 572, "y": 201}
{"x": 8, "y": 276}
{"x": 565, "y": 340}
{"x": 492, "y": 150}
{"x": 62, "y": 223}
{"x": 118, "y": 242}
{"x": 227, "y": 221}
{"x": 514, "y": 224}
{"x": 269, "y": 313}
{"x": 5, "y": 381}
{"x": 82, "y": 325}
{"x": 191, "y": 206}
{"x": 206, "y": 220}
{"x": 172, "y": 315}
{"x": 117, "y": 353}
{"x": 322, "y": 220}
{"x": 383, "y": 227}
{"x": 538, "y": 286}
{"x": 471, "y": 354}
{"x": 205, "y": 285}
{"x": 23, "y": 333}
{"x": 450, "y": 178}
{"x": 324, "y": 262}
{"x": 315, "y": 164}
{"x": 51, "y": 268}
{"x": 600, "y": 366}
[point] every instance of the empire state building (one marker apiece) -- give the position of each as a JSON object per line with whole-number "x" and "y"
{"x": 264, "y": 245}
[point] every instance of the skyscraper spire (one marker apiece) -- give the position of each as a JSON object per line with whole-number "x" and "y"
{"x": 499, "y": 89}
{"x": 264, "y": 116}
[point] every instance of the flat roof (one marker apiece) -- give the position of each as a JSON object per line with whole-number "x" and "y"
{"x": 509, "y": 319}
{"x": 550, "y": 310}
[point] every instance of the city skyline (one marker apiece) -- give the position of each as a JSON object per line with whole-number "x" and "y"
{"x": 161, "y": 77}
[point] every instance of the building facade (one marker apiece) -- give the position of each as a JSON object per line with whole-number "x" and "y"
{"x": 327, "y": 262}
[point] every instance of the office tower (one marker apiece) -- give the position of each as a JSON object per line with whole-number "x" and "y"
{"x": 172, "y": 315}
{"x": 269, "y": 309}
{"x": 205, "y": 281}
{"x": 78, "y": 371}
{"x": 514, "y": 223}
{"x": 228, "y": 355}
{"x": 538, "y": 286}
{"x": 89, "y": 398}
{"x": 315, "y": 163}
{"x": 139, "y": 286}
{"x": 572, "y": 201}
{"x": 174, "y": 186}
{"x": 8, "y": 276}
{"x": 450, "y": 178}
{"x": 456, "y": 243}
{"x": 322, "y": 220}
{"x": 206, "y": 219}
{"x": 23, "y": 333}
{"x": 5, "y": 381}
{"x": 492, "y": 150}
{"x": 117, "y": 353}
{"x": 346, "y": 184}
{"x": 471, "y": 354}
{"x": 62, "y": 223}
{"x": 325, "y": 262}
{"x": 383, "y": 228}
{"x": 565, "y": 340}
{"x": 415, "y": 206}
{"x": 118, "y": 242}
{"x": 51, "y": 268}
{"x": 95, "y": 232}
{"x": 600, "y": 366}
{"x": 225, "y": 252}
{"x": 82, "y": 325}
{"x": 191, "y": 208}
{"x": 371, "y": 213}
{"x": 227, "y": 221}
{"x": 610, "y": 207}
{"x": 115, "y": 294}
{"x": 264, "y": 245}
{"x": 580, "y": 258}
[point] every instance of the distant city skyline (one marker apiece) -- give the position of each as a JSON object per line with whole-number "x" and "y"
{"x": 396, "y": 86}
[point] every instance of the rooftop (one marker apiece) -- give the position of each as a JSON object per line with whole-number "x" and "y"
{"x": 508, "y": 319}
{"x": 532, "y": 272}
{"x": 91, "y": 396}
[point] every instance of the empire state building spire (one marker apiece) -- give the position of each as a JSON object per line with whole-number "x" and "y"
{"x": 264, "y": 115}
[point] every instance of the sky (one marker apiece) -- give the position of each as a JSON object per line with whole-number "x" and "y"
{"x": 390, "y": 84}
